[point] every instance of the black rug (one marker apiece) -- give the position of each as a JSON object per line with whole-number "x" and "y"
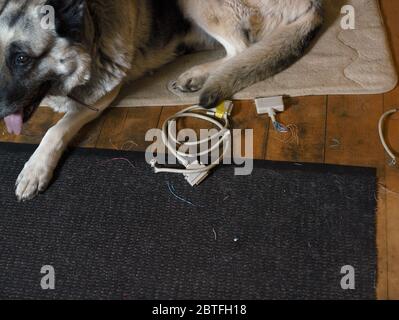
{"x": 114, "y": 231}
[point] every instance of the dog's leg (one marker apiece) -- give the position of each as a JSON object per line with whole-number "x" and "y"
{"x": 194, "y": 79}
{"x": 38, "y": 171}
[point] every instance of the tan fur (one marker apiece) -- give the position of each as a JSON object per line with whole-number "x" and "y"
{"x": 270, "y": 26}
{"x": 123, "y": 40}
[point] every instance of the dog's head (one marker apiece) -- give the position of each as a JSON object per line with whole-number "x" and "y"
{"x": 41, "y": 49}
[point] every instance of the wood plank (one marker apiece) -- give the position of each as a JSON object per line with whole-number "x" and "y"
{"x": 390, "y": 11}
{"x": 244, "y": 117}
{"x": 352, "y": 139}
{"x": 125, "y": 128}
{"x": 35, "y": 129}
{"x": 382, "y": 240}
{"x": 352, "y": 130}
{"x": 89, "y": 134}
{"x": 308, "y": 115}
{"x": 391, "y": 192}
{"x": 112, "y": 128}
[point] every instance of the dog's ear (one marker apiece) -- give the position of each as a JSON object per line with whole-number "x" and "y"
{"x": 69, "y": 18}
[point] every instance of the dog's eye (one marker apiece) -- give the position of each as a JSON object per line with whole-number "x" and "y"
{"x": 22, "y": 59}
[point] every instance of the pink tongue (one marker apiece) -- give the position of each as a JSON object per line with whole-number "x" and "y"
{"x": 14, "y": 123}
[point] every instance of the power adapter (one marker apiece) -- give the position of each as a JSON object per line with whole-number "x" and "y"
{"x": 271, "y": 106}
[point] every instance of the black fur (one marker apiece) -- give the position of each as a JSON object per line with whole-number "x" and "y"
{"x": 69, "y": 18}
{"x": 211, "y": 97}
{"x": 21, "y": 88}
{"x": 167, "y": 22}
{"x": 4, "y": 7}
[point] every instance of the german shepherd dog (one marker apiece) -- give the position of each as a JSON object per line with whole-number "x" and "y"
{"x": 95, "y": 46}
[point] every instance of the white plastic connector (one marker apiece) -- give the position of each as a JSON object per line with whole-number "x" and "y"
{"x": 266, "y": 105}
{"x": 195, "y": 179}
{"x": 271, "y": 106}
{"x": 228, "y": 106}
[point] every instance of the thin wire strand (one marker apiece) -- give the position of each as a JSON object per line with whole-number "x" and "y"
{"x": 382, "y": 136}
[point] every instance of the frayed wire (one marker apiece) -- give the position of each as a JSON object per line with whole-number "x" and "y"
{"x": 120, "y": 159}
{"x": 172, "y": 190}
{"x": 279, "y": 127}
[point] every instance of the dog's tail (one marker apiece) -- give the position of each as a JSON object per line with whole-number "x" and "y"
{"x": 263, "y": 59}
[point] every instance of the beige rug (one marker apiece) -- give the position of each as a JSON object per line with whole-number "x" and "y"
{"x": 341, "y": 62}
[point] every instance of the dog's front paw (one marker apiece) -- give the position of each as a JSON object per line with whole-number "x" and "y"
{"x": 34, "y": 178}
{"x": 192, "y": 80}
{"x": 211, "y": 96}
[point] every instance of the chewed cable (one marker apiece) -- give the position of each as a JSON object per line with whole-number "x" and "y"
{"x": 279, "y": 127}
{"x": 219, "y": 117}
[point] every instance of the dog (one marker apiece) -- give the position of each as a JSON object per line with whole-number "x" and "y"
{"x": 95, "y": 46}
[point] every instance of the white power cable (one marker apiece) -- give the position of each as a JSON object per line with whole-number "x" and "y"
{"x": 196, "y": 172}
{"x": 382, "y": 136}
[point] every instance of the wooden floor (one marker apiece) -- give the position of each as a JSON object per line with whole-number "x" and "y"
{"x": 332, "y": 129}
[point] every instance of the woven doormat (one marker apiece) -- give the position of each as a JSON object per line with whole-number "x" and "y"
{"x": 340, "y": 62}
{"x": 112, "y": 229}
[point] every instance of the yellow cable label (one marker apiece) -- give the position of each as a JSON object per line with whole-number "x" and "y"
{"x": 220, "y": 111}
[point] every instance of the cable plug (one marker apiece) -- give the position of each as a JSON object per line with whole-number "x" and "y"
{"x": 194, "y": 179}
{"x": 153, "y": 163}
{"x": 223, "y": 110}
{"x": 271, "y": 106}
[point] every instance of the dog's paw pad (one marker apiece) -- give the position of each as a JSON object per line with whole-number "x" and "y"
{"x": 191, "y": 82}
{"x": 33, "y": 179}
